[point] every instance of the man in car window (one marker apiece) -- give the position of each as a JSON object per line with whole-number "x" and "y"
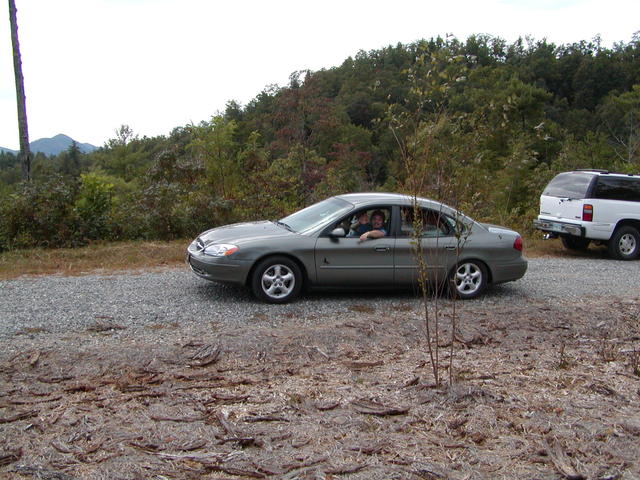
{"x": 377, "y": 224}
{"x": 362, "y": 226}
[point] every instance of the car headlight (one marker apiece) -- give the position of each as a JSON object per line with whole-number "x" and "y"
{"x": 220, "y": 249}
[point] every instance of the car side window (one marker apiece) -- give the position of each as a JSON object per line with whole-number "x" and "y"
{"x": 362, "y": 221}
{"x": 430, "y": 223}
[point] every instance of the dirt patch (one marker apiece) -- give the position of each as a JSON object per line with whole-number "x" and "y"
{"x": 539, "y": 391}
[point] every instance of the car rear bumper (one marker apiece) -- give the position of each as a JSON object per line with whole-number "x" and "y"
{"x": 508, "y": 272}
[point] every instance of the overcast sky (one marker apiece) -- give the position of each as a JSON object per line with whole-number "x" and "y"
{"x": 93, "y": 65}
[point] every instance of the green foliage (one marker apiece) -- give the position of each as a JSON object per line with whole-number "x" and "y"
{"x": 495, "y": 120}
{"x": 39, "y": 213}
{"x": 93, "y": 205}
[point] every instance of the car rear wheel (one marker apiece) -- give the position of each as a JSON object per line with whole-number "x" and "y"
{"x": 276, "y": 280}
{"x": 468, "y": 279}
{"x": 575, "y": 243}
{"x": 625, "y": 243}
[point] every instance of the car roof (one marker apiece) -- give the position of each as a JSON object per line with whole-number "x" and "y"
{"x": 375, "y": 198}
{"x": 367, "y": 198}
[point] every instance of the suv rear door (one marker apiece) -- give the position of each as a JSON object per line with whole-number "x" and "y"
{"x": 562, "y": 197}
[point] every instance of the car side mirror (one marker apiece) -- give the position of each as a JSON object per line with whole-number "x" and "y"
{"x": 338, "y": 232}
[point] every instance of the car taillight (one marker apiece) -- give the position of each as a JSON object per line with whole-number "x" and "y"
{"x": 587, "y": 213}
{"x": 517, "y": 243}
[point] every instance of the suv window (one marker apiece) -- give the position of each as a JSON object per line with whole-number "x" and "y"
{"x": 616, "y": 188}
{"x": 570, "y": 185}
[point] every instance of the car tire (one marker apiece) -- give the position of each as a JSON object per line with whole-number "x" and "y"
{"x": 624, "y": 243}
{"x": 276, "y": 279}
{"x": 575, "y": 243}
{"x": 468, "y": 279}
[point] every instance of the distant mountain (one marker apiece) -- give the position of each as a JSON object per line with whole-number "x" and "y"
{"x": 55, "y": 145}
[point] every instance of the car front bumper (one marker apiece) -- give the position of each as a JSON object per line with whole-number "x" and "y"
{"x": 218, "y": 269}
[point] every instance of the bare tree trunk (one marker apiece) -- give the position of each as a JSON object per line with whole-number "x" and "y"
{"x": 23, "y": 130}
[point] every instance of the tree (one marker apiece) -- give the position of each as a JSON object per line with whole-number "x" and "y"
{"x": 620, "y": 115}
{"x": 214, "y": 145}
{"x": 70, "y": 160}
{"x": 23, "y": 130}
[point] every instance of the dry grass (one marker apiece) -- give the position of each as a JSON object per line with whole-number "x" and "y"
{"x": 102, "y": 256}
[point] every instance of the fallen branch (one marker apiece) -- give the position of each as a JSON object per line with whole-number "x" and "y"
{"x": 561, "y": 461}
{"x": 34, "y": 359}
{"x": 29, "y": 402}
{"x": 369, "y": 449}
{"x": 288, "y": 467}
{"x": 147, "y": 447}
{"x": 7, "y": 457}
{"x": 19, "y": 416}
{"x": 41, "y": 473}
{"x": 235, "y": 471}
{"x": 265, "y": 418}
{"x": 224, "y": 398}
{"x": 226, "y": 426}
{"x": 202, "y": 457}
{"x": 363, "y": 365}
{"x": 243, "y": 441}
{"x": 194, "y": 445}
{"x": 187, "y": 419}
{"x": 327, "y": 405}
{"x": 345, "y": 469}
{"x": 373, "y": 408}
{"x": 205, "y": 356}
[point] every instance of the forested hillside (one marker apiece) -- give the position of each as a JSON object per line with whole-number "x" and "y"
{"x": 481, "y": 123}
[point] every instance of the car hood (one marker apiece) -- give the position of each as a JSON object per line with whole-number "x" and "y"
{"x": 239, "y": 233}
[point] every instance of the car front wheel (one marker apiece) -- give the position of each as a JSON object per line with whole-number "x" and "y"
{"x": 468, "y": 279}
{"x": 625, "y": 243}
{"x": 276, "y": 280}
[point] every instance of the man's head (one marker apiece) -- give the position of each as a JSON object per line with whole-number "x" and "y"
{"x": 363, "y": 218}
{"x": 377, "y": 219}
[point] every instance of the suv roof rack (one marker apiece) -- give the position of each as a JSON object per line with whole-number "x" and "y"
{"x": 605, "y": 172}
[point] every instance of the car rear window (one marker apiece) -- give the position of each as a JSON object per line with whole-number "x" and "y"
{"x": 569, "y": 185}
{"x": 617, "y": 188}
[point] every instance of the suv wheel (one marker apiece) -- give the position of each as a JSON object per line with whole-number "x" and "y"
{"x": 624, "y": 243}
{"x": 575, "y": 243}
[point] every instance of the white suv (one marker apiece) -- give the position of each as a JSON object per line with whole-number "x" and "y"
{"x": 593, "y": 205}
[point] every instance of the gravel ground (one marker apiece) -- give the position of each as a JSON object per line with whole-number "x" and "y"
{"x": 164, "y": 375}
{"x": 61, "y": 304}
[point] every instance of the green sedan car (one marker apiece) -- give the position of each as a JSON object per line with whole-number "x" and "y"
{"x": 360, "y": 240}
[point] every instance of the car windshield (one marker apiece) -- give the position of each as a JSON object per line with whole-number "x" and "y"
{"x": 569, "y": 185}
{"x": 316, "y": 215}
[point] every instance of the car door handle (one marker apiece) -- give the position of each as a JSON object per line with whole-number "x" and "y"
{"x": 382, "y": 249}
{"x": 449, "y": 248}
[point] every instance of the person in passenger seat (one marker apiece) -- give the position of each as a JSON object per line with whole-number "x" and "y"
{"x": 362, "y": 226}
